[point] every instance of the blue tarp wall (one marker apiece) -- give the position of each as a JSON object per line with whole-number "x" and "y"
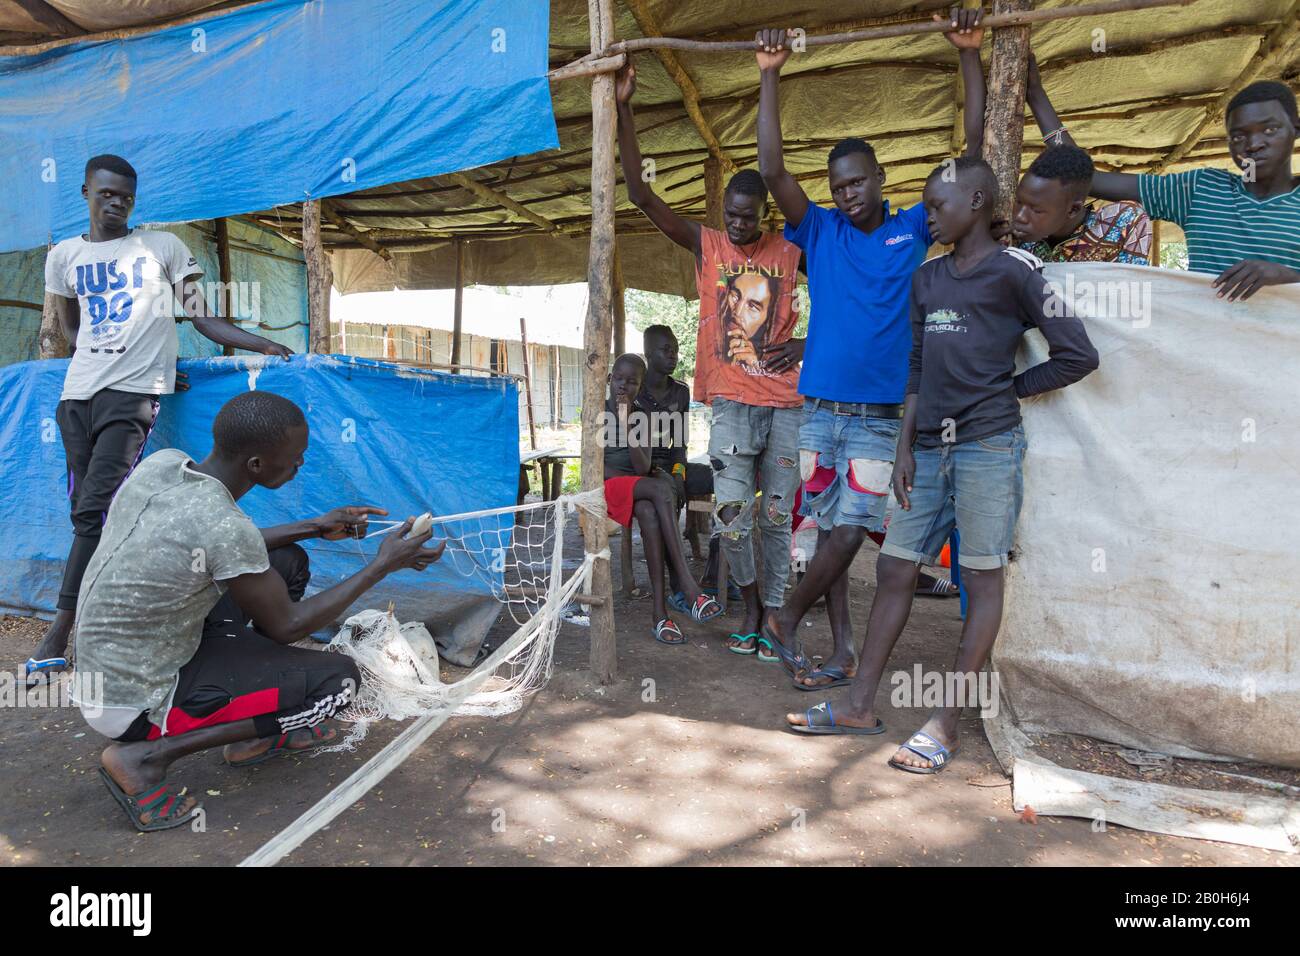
{"x": 406, "y": 440}
{"x": 272, "y": 103}
{"x": 279, "y": 280}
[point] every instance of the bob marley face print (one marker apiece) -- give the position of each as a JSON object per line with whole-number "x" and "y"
{"x": 746, "y": 306}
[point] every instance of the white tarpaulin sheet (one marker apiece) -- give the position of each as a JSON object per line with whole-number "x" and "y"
{"x": 1152, "y": 601}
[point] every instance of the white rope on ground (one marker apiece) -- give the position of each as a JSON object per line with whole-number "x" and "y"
{"x": 539, "y": 629}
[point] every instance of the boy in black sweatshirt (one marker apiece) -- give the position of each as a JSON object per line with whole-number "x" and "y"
{"x": 962, "y": 413}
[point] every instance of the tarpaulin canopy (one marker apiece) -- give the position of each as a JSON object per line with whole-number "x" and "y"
{"x": 271, "y": 103}
{"x": 1132, "y": 86}
{"x": 1149, "y": 603}
{"x": 402, "y": 439}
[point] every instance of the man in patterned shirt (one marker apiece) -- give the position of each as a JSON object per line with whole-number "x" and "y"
{"x": 1054, "y": 220}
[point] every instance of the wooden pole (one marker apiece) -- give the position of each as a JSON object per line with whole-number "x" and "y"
{"x": 1155, "y": 242}
{"x": 600, "y": 274}
{"x": 528, "y": 385}
{"x": 1002, "y": 17}
{"x": 557, "y": 412}
{"x": 1004, "y": 131}
{"x": 620, "y": 306}
{"x": 713, "y": 193}
{"x": 319, "y": 280}
{"x": 224, "y": 297}
{"x": 456, "y": 308}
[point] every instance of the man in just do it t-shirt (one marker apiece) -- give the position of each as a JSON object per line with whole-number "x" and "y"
{"x": 115, "y": 290}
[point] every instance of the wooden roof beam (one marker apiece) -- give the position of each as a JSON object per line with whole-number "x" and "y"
{"x": 1269, "y": 55}
{"x": 336, "y": 219}
{"x": 690, "y": 93}
{"x": 488, "y": 194}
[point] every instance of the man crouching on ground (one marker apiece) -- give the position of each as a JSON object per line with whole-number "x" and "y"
{"x": 187, "y": 607}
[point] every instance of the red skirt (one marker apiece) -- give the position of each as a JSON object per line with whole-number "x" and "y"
{"x": 618, "y": 498}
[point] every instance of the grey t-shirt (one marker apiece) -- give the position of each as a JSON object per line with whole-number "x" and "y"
{"x": 127, "y": 337}
{"x": 965, "y": 329}
{"x": 172, "y": 535}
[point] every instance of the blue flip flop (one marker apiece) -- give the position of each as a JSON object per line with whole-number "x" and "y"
{"x": 821, "y": 723}
{"x": 923, "y": 745}
{"x": 793, "y": 661}
{"x": 677, "y": 601}
{"x": 838, "y": 678}
{"x": 43, "y": 669}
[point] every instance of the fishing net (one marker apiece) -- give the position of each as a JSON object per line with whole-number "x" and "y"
{"x": 517, "y": 556}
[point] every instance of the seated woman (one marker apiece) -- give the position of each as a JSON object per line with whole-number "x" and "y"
{"x": 634, "y": 486}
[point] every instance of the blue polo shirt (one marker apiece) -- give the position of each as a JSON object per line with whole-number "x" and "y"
{"x": 860, "y": 283}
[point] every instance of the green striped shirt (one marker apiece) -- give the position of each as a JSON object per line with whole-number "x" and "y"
{"x": 1223, "y": 222}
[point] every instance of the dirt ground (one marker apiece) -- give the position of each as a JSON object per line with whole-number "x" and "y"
{"x": 683, "y": 761}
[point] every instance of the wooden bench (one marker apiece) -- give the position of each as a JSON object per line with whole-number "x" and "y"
{"x": 550, "y": 463}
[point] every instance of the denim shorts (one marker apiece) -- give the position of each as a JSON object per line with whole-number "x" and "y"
{"x": 845, "y": 463}
{"x": 976, "y": 486}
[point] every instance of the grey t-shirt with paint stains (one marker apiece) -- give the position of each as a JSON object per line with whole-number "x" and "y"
{"x": 172, "y": 536}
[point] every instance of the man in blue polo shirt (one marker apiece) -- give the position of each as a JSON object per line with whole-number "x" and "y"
{"x": 860, "y": 259}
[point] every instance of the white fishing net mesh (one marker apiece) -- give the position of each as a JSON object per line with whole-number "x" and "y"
{"x": 516, "y": 555}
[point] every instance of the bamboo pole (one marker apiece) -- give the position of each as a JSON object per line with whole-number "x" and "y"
{"x": 604, "y": 653}
{"x": 1003, "y": 131}
{"x": 459, "y": 300}
{"x": 1002, "y": 17}
{"x": 224, "y": 298}
{"x": 319, "y": 279}
{"x": 528, "y": 385}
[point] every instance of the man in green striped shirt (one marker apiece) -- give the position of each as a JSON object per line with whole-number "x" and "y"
{"x": 1245, "y": 229}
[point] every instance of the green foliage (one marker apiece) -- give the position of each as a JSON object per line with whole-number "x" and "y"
{"x": 1173, "y": 255}
{"x": 645, "y": 309}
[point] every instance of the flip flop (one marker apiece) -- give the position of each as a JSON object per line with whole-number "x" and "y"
{"x": 838, "y": 678}
{"x": 740, "y": 650}
{"x": 733, "y": 591}
{"x": 923, "y": 745}
{"x": 666, "y": 626}
{"x": 821, "y": 723}
{"x": 794, "y": 662}
{"x": 677, "y": 601}
{"x": 162, "y": 800}
{"x": 767, "y": 658}
{"x": 705, "y": 608}
{"x": 43, "y": 671}
{"x": 281, "y": 746}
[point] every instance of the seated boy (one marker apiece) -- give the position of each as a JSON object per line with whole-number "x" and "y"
{"x": 632, "y": 487}
{"x": 962, "y": 412}
{"x": 165, "y": 608}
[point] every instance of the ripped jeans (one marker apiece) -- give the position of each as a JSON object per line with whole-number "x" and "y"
{"x": 753, "y": 449}
{"x": 846, "y": 462}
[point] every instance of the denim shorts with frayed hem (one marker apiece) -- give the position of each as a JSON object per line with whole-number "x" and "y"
{"x": 976, "y": 486}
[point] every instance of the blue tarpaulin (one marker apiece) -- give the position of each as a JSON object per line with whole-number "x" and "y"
{"x": 403, "y": 439}
{"x": 272, "y": 103}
